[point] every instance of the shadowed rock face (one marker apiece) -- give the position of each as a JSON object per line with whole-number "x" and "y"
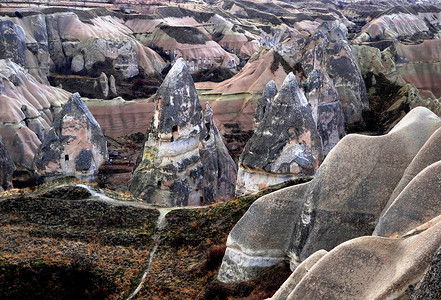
{"x": 220, "y": 171}
{"x": 7, "y": 167}
{"x": 344, "y": 200}
{"x": 430, "y": 285}
{"x": 264, "y": 103}
{"x": 172, "y": 170}
{"x": 75, "y": 146}
{"x": 285, "y": 144}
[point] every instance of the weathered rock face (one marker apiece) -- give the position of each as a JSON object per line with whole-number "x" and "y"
{"x": 27, "y": 109}
{"x": 300, "y": 271}
{"x": 171, "y": 168}
{"x": 328, "y": 49}
{"x": 371, "y": 267}
{"x": 7, "y": 167}
{"x": 75, "y": 146}
{"x": 83, "y": 43}
{"x": 285, "y": 144}
{"x": 326, "y": 108}
{"x": 264, "y": 103}
{"x": 401, "y": 22}
{"x": 400, "y": 78}
{"x": 343, "y": 201}
{"x": 220, "y": 171}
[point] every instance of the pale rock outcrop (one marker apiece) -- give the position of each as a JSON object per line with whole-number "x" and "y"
{"x": 371, "y": 267}
{"x": 80, "y": 42}
{"x": 171, "y": 168}
{"x": 300, "y": 271}
{"x": 285, "y": 144}
{"x": 75, "y": 146}
{"x": 191, "y": 44}
{"x": 27, "y": 109}
{"x": 112, "y": 86}
{"x": 7, "y": 167}
{"x": 343, "y": 201}
{"x": 401, "y": 22}
{"x": 104, "y": 84}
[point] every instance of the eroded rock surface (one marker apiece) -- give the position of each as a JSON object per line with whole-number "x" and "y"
{"x": 7, "y": 167}
{"x": 27, "y": 109}
{"x": 343, "y": 201}
{"x": 172, "y": 169}
{"x": 75, "y": 146}
{"x": 285, "y": 144}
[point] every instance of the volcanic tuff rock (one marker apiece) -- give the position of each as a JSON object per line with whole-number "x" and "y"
{"x": 7, "y": 167}
{"x": 182, "y": 152}
{"x": 27, "y": 108}
{"x": 75, "y": 146}
{"x": 328, "y": 49}
{"x": 80, "y": 42}
{"x": 371, "y": 267}
{"x": 401, "y": 77}
{"x": 402, "y": 22}
{"x": 220, "y": 171}
{"x": 326, "y": 108}
{"x": 285, "y": 144}
{"x": 264, "y": 103}
{"x": 347, "y": 196}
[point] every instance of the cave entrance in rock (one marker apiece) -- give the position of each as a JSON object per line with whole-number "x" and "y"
{"x": 175, "y": 133}
{"x": 66, "y": 157}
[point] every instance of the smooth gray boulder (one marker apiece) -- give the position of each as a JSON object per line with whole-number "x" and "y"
{"x": 343, "y": 201}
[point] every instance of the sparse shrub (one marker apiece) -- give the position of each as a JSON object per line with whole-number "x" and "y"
{"x": 214, "y": 256}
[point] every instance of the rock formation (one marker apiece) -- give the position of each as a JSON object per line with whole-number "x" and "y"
{"x": 347, "y": 196}
{"x": 172, "y": 170}
{"x": 75, "y": 146}
{"x": 326, "y": 108}
{"x": 401, "y": 22}
{"x": 285, "y": 144}
{"x": 85, "y": 43}
{"x": 371, "y": 267}
{"x": 264, "y": 103}
{"x": 27, "y": 111}
{"x": 7, "y": 167}
{"x": 220, "y": 171}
